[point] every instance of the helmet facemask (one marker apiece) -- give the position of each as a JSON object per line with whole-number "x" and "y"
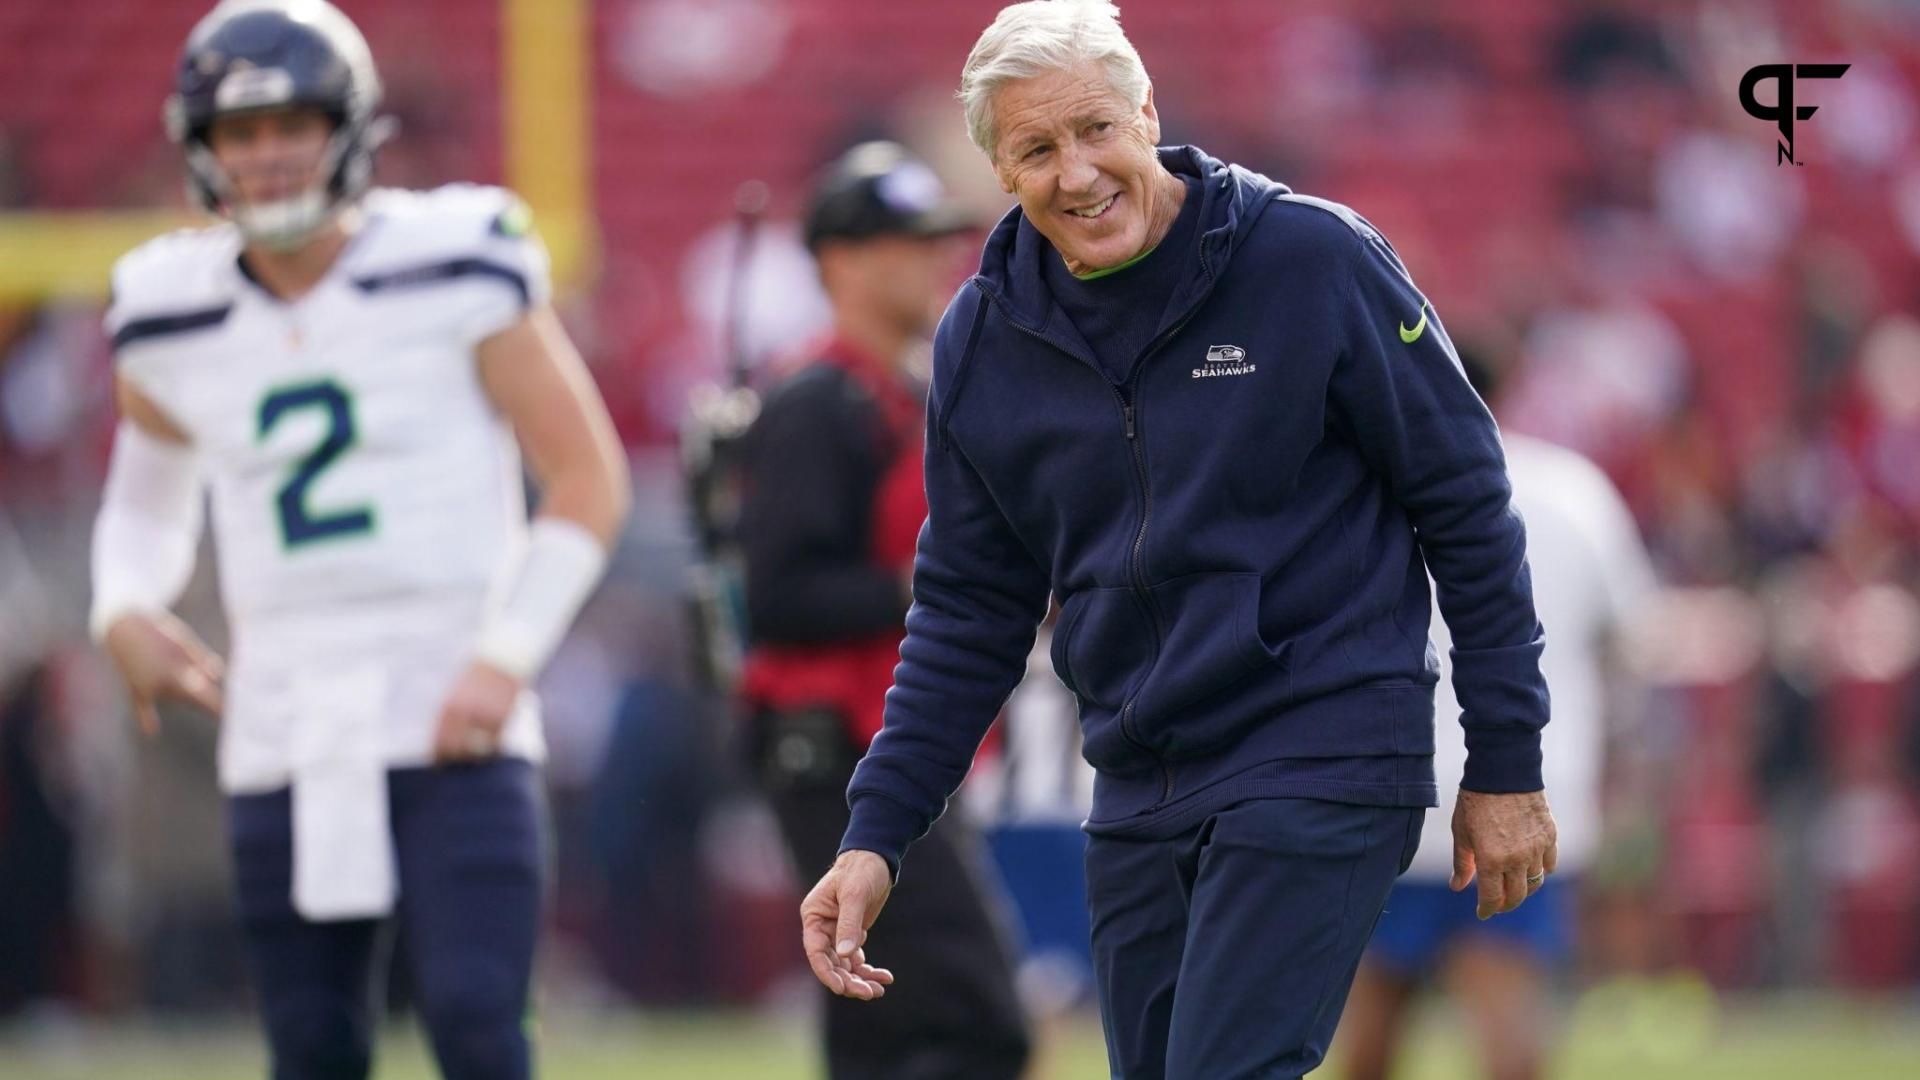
{"x": 345, "y": 170}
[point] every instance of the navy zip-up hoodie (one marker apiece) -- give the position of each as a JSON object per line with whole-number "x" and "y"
{"x": 1239, "y": 534}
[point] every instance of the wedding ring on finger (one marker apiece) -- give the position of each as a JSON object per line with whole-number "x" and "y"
{"x": 479, "y": 743}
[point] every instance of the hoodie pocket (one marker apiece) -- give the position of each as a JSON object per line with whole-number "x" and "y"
{"x": 1212, "y": 646}
{"x": 1103, "y": 646}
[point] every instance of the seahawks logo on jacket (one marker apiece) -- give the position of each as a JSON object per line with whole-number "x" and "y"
{"x": 1225, "y": 360}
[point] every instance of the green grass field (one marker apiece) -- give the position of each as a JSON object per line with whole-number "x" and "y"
{"x": 1679, "y": 1034}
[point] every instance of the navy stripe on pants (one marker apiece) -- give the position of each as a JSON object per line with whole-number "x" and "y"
{"x": 468, "y": 842}
{"x": 1226, "y": 952}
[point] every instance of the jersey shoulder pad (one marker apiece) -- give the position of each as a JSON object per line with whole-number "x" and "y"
{"x": 454, "y": 233}
{"x": 175, "y": 283}
{"x": 448, "y": 221}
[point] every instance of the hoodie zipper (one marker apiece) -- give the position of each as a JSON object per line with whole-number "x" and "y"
{"x": 1126, "y": 396}
{"x": 1136, "y": 570}
{"x": 1140, "y": 594}
{"x": 1138, "y": 564}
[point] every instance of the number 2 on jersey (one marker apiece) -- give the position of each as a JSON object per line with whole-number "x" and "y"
{"x": 299, "y": 524}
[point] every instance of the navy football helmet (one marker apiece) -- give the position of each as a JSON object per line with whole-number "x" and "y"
{"x": 249, "y": 55}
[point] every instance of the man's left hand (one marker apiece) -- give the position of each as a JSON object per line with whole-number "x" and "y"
{"x": 1508, "y": 841}
{"x": 474, "y": 715}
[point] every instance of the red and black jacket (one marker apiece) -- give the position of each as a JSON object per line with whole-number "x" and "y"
{"x": 832, "y": 505}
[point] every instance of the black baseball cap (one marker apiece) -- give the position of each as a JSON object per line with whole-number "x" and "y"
{"x": 880, "y": 189}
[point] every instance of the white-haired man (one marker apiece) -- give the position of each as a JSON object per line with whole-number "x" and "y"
{"x": 1220, "y": 423}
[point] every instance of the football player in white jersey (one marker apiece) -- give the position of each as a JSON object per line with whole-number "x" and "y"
{"x": 1591, "y": 577}
{"x": 351, "y": 374}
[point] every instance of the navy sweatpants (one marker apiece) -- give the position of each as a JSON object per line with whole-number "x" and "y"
{"x": 1226, "y": 952}
{"x": 468, "y": 844}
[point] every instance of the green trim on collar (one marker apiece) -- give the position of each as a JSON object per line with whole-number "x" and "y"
{"x": 1097, "y": 274}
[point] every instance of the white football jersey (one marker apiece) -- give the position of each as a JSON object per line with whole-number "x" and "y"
{"x": 366, "y": 496}
{"x": 1590, "y": 571}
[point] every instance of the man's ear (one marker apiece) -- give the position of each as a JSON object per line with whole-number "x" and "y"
{"x": 826, "y": 262}
{"x": 1151, "y": 117}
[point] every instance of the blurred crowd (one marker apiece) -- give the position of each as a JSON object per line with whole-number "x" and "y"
{"x": 1736, "y": 340}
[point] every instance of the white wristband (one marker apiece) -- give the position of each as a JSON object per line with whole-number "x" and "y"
{"x": 148, "y": 531}
{"x": 563, "y": 562}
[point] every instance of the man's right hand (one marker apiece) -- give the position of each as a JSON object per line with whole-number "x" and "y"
{"x": 834, "y": 919}
{"x": 161, "y": 658}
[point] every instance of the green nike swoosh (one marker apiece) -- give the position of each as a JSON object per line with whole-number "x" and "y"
{"x": 1413, "y": 335}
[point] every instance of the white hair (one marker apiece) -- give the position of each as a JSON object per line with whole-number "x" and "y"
{"x": 1042, "y": 36}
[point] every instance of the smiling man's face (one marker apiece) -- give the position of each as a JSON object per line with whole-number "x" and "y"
{"x": 1081, "y": 161}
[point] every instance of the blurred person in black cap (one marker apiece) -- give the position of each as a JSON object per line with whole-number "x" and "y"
{"x": 832, "y": 504}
